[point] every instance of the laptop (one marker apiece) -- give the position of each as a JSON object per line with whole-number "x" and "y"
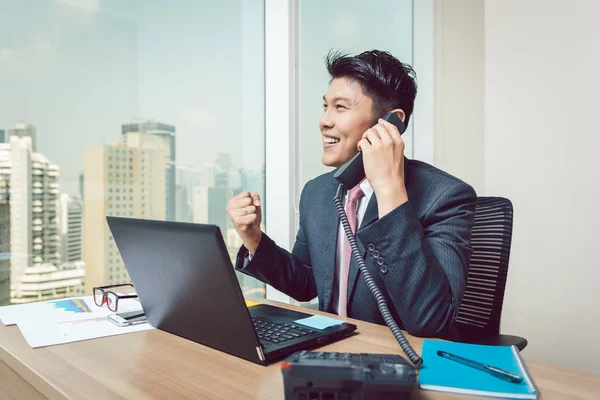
{"x": 187, "y": 286}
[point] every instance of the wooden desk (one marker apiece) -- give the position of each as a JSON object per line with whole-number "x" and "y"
{"x": 157, "y": 365}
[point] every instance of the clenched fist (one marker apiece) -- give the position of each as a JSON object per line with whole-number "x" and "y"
{"x": 244, "y": 210}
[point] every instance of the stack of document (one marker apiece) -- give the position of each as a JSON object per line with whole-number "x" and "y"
{"x": 67, "y": 320}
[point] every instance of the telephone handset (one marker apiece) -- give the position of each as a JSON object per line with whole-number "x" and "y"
{"x": 351, "y": 173}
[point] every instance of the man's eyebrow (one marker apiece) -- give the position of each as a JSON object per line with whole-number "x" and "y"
{"x": 342, "y": 98}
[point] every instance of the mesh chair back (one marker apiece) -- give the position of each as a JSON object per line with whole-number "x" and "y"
{"x": 481, "y": 307}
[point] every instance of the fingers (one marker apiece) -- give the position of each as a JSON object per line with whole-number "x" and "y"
{"x": 245, "y": 223}
{"x": 243, "y": 204}
{"x": 246, "y": 210}
{"x": 370, "y": 139}
{"x": 241, "y": 195}
{"x": 383, "y": 134}
{"x": 364, "y": 145}
{"x": 236, "y": 203}
{"x": 246, "y": 201}
{"x": 373, "y": 137}
{"x": 391, "y": 129}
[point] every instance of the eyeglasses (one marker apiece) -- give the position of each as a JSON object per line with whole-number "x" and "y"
{"x": 102, "y": 296}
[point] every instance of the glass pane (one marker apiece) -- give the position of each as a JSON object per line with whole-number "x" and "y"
{"x": 111, "y": 301}
{"x": 353, "y": 26}
{"x": 144, "y": 109}
{"x": 98, "y": 297}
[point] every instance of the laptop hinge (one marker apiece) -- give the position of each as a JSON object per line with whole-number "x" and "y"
{"x": 261, "y": 355}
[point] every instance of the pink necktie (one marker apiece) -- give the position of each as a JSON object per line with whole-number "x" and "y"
{"x": 353, "y": 196}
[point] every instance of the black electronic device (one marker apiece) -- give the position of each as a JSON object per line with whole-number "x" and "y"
{"x": 187, "y": 286}
{"x": 377, "y": 379}
{"x": 347, "y": 376}
{"x": 351, "y": 173}
{"x": 348, "y": 176}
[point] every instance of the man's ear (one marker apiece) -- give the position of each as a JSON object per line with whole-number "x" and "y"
{"x": 400, "y": 113}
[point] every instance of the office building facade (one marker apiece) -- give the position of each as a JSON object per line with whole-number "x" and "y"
{"x": 123, "y": 179}
{"x": 188, "y": 178}
{"x": 4, "y": 242}
{"x": 23, "y": 130}
{"x": 71, "y": 228}
{"x": 200, "y": 205}
{"x": 166, "y": 134}
{"x": 29, "y": 193}
{"x": 218, "y": 197}
{"x": 47, "y": 281}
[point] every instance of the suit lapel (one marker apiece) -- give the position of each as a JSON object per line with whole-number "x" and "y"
{"x": 371, "y": 215}
{"x": 331, "y": 222}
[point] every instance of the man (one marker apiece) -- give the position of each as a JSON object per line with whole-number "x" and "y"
{"x": 414, "y": 220}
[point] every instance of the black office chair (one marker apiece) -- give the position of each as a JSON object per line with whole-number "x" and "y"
{"x": 479, "y": 314}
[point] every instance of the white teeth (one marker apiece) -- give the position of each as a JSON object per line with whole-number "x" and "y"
{"x": 331, "y": 140}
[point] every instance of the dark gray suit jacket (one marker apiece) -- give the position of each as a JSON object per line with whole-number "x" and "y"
{"x": 419, "y": 253}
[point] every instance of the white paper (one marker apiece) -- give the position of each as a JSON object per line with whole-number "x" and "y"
{"x": 48, "y": 334}
{"x": 67, "y": 320}
{"x": 59, "y": 310}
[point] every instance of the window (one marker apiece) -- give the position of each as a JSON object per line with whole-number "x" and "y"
{"x": 344, "y": 25}
{"x": 83, "y": 72}
{"x": 352, "y": 26}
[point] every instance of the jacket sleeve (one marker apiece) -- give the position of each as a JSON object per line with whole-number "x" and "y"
{"x": 290, "y": 273}
{"x": 424, "y": 266}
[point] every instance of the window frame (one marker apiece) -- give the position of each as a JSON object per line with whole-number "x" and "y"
{"x": 282, "y": 113}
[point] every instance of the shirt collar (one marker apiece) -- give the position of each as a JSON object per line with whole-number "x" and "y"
{"x": 367, "y": 189}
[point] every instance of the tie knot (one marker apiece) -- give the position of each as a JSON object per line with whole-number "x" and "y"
{"x": 355, "y": 193}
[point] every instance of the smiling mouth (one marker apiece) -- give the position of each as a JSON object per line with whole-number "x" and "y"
{"x": 330, "y": 140}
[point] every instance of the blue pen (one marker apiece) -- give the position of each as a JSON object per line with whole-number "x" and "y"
{"x": 494, "y": 371}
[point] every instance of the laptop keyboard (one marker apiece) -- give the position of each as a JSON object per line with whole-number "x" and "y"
{"x": 278, "y": 333}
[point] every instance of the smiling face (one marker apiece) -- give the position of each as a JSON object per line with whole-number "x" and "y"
{"x": 347, "y": 114}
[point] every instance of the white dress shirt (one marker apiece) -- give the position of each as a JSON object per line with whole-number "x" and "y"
{"x": 360, "y": 209}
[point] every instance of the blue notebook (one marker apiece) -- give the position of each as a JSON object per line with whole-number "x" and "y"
{"x": 442, "y": 374}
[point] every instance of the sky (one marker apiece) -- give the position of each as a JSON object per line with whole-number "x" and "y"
{"x": 78, "y": 69}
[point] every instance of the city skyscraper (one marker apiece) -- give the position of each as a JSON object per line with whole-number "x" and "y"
{"x": 166, "y": 133}
{"x": 71, "y": 228}
{"x": 200, "y": 205}
{"x": 123, "y": 179}
{"x": 4, "y": 238}
{"x": 22, "y": 129}
{"x": 33, "y": 205}
{"x": 218, "y": 197}
{"x": 47, "y": 281}
{"x": 30, "y": 191}
{"x": 81, "y": 185}
{"x": 183, "y": 209}
{"x": 188, "y": 178}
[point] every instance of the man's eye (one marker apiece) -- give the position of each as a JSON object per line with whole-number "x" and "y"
{"x": 339, "y": 106}
{"x": 324, "y": 105}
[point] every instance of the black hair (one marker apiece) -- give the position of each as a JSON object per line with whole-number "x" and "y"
{"x": 389, "y": 82}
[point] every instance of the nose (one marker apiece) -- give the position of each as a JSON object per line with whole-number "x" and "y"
{"x": 326, "y": 121}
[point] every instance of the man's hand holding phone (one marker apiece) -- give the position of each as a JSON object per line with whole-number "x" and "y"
{"x": 383, "y": 158}
{"x": 246, "y": 214}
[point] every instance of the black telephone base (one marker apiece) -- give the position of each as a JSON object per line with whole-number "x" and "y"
{"x": 347, "y": 376}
